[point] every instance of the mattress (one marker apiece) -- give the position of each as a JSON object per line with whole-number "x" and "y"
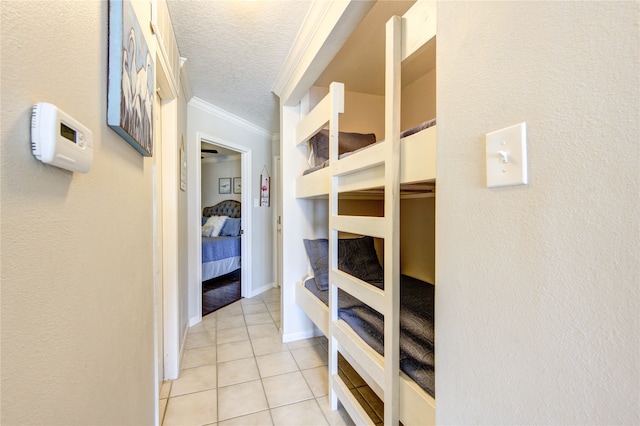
{"x": 416, "y": 326}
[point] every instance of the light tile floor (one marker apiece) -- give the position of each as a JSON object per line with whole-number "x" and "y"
{"x": 236, "y": 371}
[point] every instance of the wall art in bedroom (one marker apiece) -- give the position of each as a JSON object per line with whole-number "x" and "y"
{"x": 224, "y": 185}
{"x": 131, "y": 79}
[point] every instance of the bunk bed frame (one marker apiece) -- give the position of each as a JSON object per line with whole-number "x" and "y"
{"x": 388, "y": 164}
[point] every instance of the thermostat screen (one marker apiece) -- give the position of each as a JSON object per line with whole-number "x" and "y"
{"x": 68, "y": 132}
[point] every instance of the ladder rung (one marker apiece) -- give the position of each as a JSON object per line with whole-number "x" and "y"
{"x": 370, "y": 360}
{"x": 372, "y": 156}
{"x": 363, "y": 225}
{"x": 350, "y": 403}
{"x": 361, "y": 290}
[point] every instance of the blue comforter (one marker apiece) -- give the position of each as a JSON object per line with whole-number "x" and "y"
{"x": 218, "y": 248}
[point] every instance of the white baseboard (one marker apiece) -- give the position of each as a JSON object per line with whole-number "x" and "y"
{"x": 182, "y": 347}
{"x": 299, "y": 335}
{"x": 195, "y": 320}
{"x": 261, "y": 290}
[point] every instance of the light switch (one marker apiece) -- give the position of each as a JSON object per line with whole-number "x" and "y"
{"x": 256, "y": 202}
{"x": 507, "y": 156}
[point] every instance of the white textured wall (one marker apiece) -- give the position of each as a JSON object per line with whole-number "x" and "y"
{"x": 77, "y": 249}
{"x": 211, "y": 172}
{"x": 537, "y": 310}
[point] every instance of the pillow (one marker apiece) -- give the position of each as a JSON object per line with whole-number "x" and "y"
{"x": 318, "y": 253}
{"x": 347, "y": 142}
{"x": 231, "y": 227}
{"x": 357, "y": 257}
{"x": 204, "y": 220}
{"x": 213, "y": 226}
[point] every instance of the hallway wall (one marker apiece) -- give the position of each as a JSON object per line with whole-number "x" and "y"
{"x": 537, "y": 295}
{"x": 77, "y": 249}
{"x": 221, "y": 127}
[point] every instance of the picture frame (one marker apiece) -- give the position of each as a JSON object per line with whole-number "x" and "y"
{"x": 224, "y": 185}
{"x": 265, "y": 195}
{"x": 131, "y": 91}
{"x": 237, "y": 185}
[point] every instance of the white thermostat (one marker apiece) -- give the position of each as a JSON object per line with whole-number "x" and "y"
{"x": 60, "y": 140}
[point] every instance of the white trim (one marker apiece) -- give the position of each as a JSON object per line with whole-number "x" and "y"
{"x": 170, "y": 179}
{"x": 325, "y": 30}
{"x": 246, "y": 273}
{"x": 183, "y": 346}
{"x": 262, "y": 289}
{"x": 227, "y": 116}
{"x": 299, "y": 335}
{"x": 167, "y": 85}
{"x": 312, "y": 23}
{"x": 185, "y": 80}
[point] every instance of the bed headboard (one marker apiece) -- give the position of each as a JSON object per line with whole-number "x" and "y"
{"x": 230, "y": 208}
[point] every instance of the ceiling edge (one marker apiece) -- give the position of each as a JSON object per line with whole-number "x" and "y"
{"x": 227, "y": 116}
{"x": 328, "y": 24}
{"x": 308, "y": 30}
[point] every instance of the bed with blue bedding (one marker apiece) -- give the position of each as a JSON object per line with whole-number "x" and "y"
{"x": 221, "y": 240}
{"x": 220, "y": 256}
{"x": 357, "y": 257}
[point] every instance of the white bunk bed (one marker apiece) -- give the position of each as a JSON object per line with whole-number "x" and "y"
{"x": 388, "y": 164}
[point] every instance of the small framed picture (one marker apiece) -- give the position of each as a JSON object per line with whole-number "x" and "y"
{"x": 224, "y": 185}
{"x": 237, "y": 185}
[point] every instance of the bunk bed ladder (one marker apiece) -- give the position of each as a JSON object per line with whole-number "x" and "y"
{"x": 383, "y": 370}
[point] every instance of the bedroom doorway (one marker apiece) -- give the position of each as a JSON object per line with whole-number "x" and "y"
{"x": 223, "y": 168}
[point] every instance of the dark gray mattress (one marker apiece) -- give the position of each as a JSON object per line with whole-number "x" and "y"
{"x": 416, "y": 326}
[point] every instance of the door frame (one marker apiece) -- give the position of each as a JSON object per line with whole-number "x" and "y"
{"x": 245, "y": 214}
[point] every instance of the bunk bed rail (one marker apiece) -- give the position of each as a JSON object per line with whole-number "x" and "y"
{"x": 326, "y": 111}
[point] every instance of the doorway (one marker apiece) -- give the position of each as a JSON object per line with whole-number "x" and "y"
{"x": 221, "y": 185}
{"x": 225, "y": 149}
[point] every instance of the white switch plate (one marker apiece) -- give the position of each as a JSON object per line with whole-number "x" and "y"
{"x": 507, "y": 156}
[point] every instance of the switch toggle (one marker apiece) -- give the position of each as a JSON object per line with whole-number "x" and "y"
{"x": 506, "y": 156}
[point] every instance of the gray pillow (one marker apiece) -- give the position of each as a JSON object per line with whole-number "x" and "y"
{"x": 347, "y": 142}
{"x": 231, "y": 228}
{"x": 318, "y": 253}
{"x": 357, "y": 257}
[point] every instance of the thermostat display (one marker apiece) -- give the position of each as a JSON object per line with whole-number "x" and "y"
{"x": 60, "y": 140}
{"x": 68, "y": 132}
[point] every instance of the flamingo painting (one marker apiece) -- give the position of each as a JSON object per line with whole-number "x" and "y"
{"x": 131, "y": 79}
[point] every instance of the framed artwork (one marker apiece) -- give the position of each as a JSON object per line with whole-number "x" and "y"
{"x": 183, "y": 166}
{"x": 224, "y": 185}
{"x": 237, "y": 185}
{"x": 131, "y": 79}
{"x": 264, "y": 190}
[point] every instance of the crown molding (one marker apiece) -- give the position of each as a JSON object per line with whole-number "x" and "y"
{"x": 227, "y": 116}
{"x": 308, "y": 30}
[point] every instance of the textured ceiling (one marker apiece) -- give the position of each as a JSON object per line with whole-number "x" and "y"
{"x": 235, "y": 50}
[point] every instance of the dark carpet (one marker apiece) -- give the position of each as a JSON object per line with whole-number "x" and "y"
{"x": 220, "y": 291}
